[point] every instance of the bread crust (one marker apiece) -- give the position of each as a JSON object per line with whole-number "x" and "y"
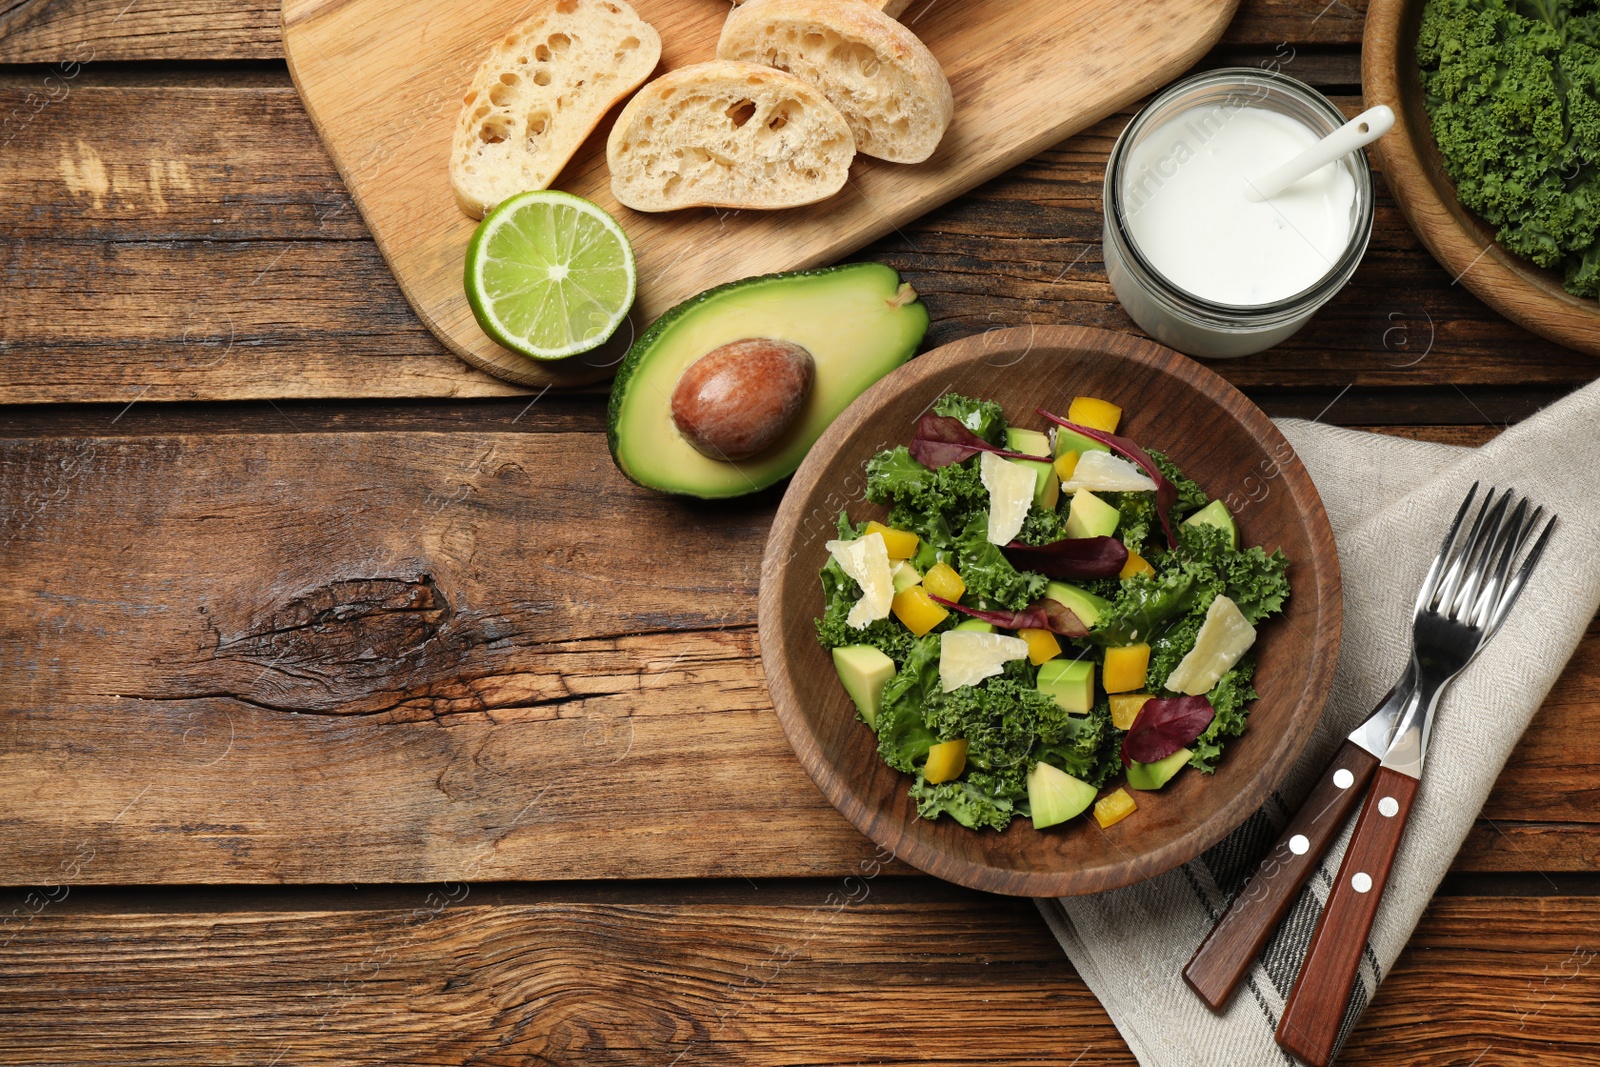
{"x": 898, "y": 110}
{"x": 728, "y": 135}
{"x": 541, "y": 90}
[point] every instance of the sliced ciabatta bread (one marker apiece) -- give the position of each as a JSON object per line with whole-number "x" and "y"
{"x": 889, "y": 87}
{"x": 724, "y": 134}
{"x": 541, "y": 91}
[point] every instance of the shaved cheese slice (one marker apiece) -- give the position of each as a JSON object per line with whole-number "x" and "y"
{"x": 967, "y": 657}
{"x": 866, "y": 559}
{"x": 1010, "y": 496}
{"x": 1224, "y": 636}
{"x": 1102, "y": 472}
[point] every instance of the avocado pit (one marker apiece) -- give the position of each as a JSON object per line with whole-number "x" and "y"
{"x": 737, "y": 400}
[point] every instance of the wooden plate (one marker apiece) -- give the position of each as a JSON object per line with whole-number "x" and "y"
{"x": 1220, "y": 439}
{"x": 383, "y": 79}
{"x": 1464, "y": 244}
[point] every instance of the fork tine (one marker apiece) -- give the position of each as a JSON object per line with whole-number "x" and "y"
{"x": 1460, "y": 551}
{"x": 1431, "y": 582}
{"x": 1480, "y": 559}
{"x": 1518, "y": 580}
{"x": 1513, "y": 535}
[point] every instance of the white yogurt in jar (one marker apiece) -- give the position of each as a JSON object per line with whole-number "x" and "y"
{"x": 1184, "y": 205}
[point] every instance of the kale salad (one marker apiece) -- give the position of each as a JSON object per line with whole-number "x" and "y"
{"x": 1043, "y": 612}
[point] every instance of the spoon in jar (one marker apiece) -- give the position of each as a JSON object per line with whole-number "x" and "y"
{"x": 1359, "y": 132}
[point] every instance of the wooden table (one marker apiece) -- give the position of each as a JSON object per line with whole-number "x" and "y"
{"x": 357, "y": 711}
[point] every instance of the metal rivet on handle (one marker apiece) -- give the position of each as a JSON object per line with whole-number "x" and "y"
{"x": 1299, "y": 845}
{"x": 1343, "y": 778}
{"x": 1388, "y": 807}
{"x": 1361, "y": 881}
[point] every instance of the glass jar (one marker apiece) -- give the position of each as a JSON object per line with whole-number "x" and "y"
{"x": 1181, "y": 319}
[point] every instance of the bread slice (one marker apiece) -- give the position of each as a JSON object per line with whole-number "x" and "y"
{"x": 725, "y": 134}
{"x": 542, "y": 90}
{"x": 889, "y": 87}
{"x": 893, "y": 8}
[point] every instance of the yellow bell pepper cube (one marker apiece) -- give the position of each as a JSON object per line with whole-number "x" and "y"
{"x": 1125, "y": 668}
{"x": 1066, "y": 463}
{"x": 943, "y": 581}
{"x": 1136, "y": 564}
{"x": 1125, "y": 708}
{"x": 946, "y": 761}
{"x": 1042, "y": 645}
{"x": 916, "y": 609}
{"x": 1113, "y": 808}
{"x": 902, "y": 544}
{"x": 1095, "y": 414}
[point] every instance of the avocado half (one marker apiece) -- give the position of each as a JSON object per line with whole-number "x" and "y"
{"x": 857, "y": 321}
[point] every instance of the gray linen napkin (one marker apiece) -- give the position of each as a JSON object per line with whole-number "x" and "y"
{"x": 1389, "y": 501}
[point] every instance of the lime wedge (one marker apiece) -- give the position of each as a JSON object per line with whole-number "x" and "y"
{"x": 549, "y": 274}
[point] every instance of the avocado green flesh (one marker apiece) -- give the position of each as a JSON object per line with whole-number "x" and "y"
{"x": 1089, "y": 516}
{"x": 1216, "y": 514}
{"x": 864, "y": 670}
{"x": 1070, "y": 683}
{"x": 1149, "y": 776}
{"x": 1082, "y": 603}
{"x": 846, "y": 317}
{"x": 977, "y": 625}
{"x": 1054, "y": 796}
{"x": 1073, "y": 441}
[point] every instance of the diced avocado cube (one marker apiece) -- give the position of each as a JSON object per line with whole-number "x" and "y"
{"x": 1029, "y": 442}
{"x": 1046, "y": 482}
{"x": 1055, "y": 796}
{"x": 1082, "y": 603}
{"x": 1216, "y": 514}
{"x": 977, "y": 625}
{"x": 1070, "y": 682}
{"x": 1073, "y": 441}
{"x": 864, "y": 670}
{"x": 1089, "y": 516}
{"x": 1149, "y": 776}
{"x": 904, "y": 576}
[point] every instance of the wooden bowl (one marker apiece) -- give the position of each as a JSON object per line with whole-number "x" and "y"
{"x": 1464, "y": 244}
{"x": 1221, "y": 440}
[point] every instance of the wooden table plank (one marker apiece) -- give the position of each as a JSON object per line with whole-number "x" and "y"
{"x": 831, "y": 972}
{"x": 51, "y": 31}
{"x": 396, "y": 656}
{"x": 194, "y": 243}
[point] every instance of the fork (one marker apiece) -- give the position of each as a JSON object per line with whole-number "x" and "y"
{"x": 1467, "y": 593}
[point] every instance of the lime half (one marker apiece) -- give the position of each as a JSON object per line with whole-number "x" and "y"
{"x": 549, "y": 274}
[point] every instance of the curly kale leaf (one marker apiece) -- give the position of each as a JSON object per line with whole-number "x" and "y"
{"x": 975, "y": 801}
{"x": 1139, "y": 518}
{"x": 1143, "y": 606}
{"x": 1081, "y": 748}
{"x": 1257, "y": 582}
{"x": 1229, "y": 698}
{"x": 1000, "y": 720}
{"x": 932, "y": 504}
{"x": 992, "y": 582}
{"x": 903, "y": 736}
{"x": 1190, "y": 496}
{"x": 1513, "y": 91}
{"x": 982, "y": 417}
{"x": 1042, "y": 526}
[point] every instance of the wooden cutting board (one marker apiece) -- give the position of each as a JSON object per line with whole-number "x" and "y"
{"x": 383, "y": 81}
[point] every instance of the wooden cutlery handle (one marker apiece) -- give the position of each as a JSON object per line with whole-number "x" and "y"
{"x": 1225, "y": 956}
{"x": 1316, "y": 1006}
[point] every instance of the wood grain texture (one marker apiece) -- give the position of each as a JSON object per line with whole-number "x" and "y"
{"x": 1230, "y": 950}
{"x": 1528, "y": 295}
{"x": 1209, "y": 429}
{"x": 825, "y": 973}
{"x": 179, "y": 224}
{"x": 52, "y": 31}
{"x": 168, "y": 594}
{"x": 382, "y": 81}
